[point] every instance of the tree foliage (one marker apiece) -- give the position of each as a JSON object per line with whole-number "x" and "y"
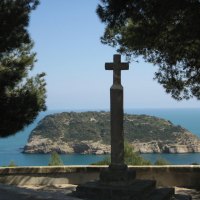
{"x": 21, "y": 97}
{"x": 14, "y": 20}
{"x": 166, "y": 33}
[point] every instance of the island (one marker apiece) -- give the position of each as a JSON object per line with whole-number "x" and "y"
{"x": 89, "y": 133}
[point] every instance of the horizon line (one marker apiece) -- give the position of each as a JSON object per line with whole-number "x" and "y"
{"x": 102, "y": 109}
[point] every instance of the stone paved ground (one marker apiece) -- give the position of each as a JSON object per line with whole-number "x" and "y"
{"x": 8, "y": 192}
{"x": 193, "y": 192}
{"x": 59, "y": 192}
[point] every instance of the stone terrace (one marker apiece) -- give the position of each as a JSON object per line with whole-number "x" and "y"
{"x": 63, "y": 180}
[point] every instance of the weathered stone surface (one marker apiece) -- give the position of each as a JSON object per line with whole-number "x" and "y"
{"x": 147, "y": 147}
{"x": 117, "y": 110}
{"x": 38, "y": 144}
{"x": 180, "y": 146}
{"x": 138, "y": 190}
{"x": 117, "y": 176}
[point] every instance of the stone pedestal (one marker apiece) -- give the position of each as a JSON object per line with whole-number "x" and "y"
{"x": 138, "y": 190}
{"x": 117, "y": 175}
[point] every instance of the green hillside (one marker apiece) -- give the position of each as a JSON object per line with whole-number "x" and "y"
{"x": 72, "y": 126}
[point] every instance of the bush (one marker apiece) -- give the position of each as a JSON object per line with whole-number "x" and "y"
{"x": 130, "y": 157}
{"x": 194, "y": 163}
{"x": 162, "y": 161}
{"x": 55, "y": 159}
{"x": 12, "y": 164}
{"x": 133, "y": 158}
{"x": 105, "y": 161}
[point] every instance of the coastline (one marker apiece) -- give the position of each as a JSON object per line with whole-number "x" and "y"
{"x": 188, "y": 118}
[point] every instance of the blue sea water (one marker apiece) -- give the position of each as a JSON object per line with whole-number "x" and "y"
{"x": 11, "y": 147}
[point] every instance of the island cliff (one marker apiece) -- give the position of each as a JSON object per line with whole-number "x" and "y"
{"x": 89, "y": 133}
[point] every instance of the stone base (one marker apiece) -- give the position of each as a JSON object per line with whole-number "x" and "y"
{"x": 117, "y": 175}
{"x": 139, "y": 190}
{"x": 118, "y": 183}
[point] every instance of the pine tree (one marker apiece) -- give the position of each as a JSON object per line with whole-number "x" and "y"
{"x": 21, "y": 97}
{"x": 165, "y": 33}
{"x": 14, "y": 20}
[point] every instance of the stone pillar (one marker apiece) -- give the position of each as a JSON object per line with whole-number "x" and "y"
{"x": 117, "y": 173}
{"x": 117, "y": 133}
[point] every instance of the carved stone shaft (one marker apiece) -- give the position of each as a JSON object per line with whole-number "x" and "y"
{"x": 116, "y": 111}
{"x": 117, "y": 134}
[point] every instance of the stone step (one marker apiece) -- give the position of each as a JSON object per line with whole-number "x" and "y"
{"x": 97, "y": 191}
{"x": 182, "y": 197}
{"x": 161, "y": 194}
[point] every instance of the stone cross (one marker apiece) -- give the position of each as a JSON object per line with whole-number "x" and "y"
{"x": 117, "y": 113}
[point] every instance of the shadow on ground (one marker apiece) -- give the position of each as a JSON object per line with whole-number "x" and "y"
{"x": 194, "y": 193}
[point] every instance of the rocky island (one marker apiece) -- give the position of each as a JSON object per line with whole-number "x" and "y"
{"x": 89, "y": 133}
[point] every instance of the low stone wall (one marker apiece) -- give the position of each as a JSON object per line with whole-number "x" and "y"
{"x": 182, "y": 176}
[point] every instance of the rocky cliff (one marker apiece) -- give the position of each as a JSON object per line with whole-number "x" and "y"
{"x": 89, "y": 133}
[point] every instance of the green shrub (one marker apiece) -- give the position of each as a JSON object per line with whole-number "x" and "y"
{"x": 133, "y": 158}
{"x": 105, "y": 161}
{"x": 12, "y": 164}
{"x": 130, "y": 157}
{"x": 162, "y": 161}
{"x": 194, "y": 163}
{"x": 55, "y": 159}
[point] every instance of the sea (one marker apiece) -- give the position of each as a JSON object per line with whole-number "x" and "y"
{"x": 11, "y": 147}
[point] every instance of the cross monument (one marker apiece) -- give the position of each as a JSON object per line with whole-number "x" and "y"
{"x": 116, "y": 111}
{"x": 117, "y": 173}
{"x": 118, "y": 181}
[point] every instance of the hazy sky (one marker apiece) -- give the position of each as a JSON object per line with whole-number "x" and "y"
{"x": 67, "y": 42}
